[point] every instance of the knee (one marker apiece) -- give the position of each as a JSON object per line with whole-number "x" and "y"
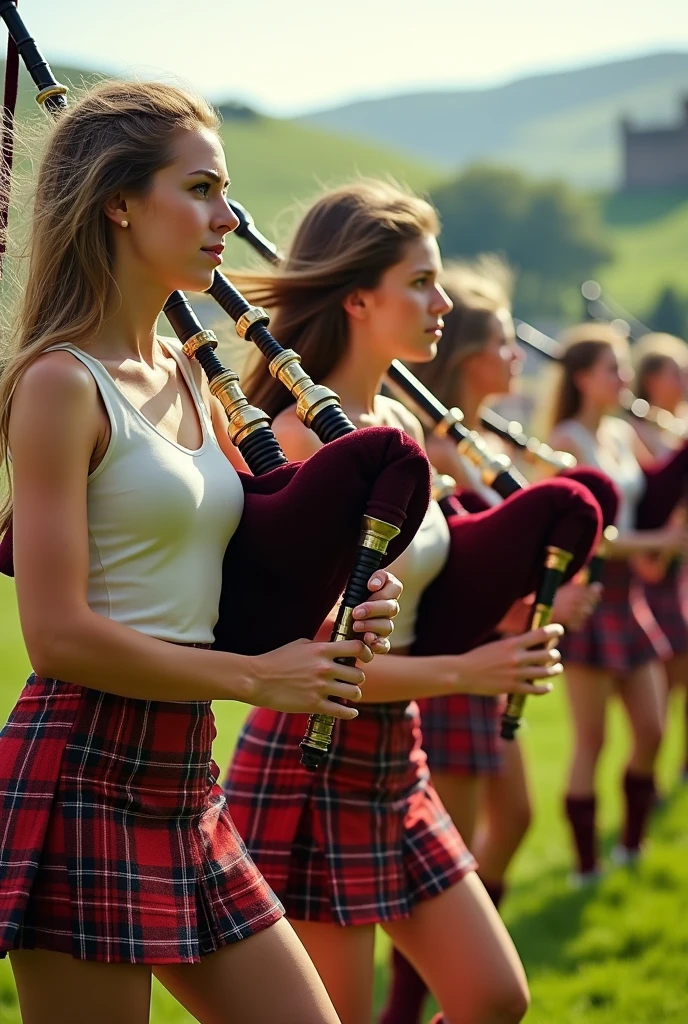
{"x": 650, "y": 737}
{"x": 522, "y": 818}
{"x": 589, "y": 745}
{"x": 510, "y": 1004}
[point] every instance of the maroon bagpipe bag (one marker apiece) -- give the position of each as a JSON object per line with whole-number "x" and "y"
{"x": 666, "y": 483}
{"x": 289, "y": 559}
{"x": 496, "y": 558}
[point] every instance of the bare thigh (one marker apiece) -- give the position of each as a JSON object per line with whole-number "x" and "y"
{"x": 267, "y": 977}
{"x": 505, "y": 815}
{"x": 461, "y": 795}
{"x": 54, "y": 988}
{"x": 344, "y": 958}
{"x": 458, "y": 943}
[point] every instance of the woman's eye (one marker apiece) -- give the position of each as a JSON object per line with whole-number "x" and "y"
{"x": 420, "y": 282}
{"x": 203, "y": 188}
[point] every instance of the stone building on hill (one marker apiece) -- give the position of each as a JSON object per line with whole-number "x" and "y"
{"x": 656, "y": 157}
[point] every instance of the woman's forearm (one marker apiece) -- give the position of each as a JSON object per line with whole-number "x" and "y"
{"x": 397, "y": 677}
{"x": 634, "y": 542}
{"x": 104, "y": 655}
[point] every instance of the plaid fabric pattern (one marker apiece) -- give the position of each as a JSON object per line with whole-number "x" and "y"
{"x": 361, "y": 840}
{"x": 116, "y": 840}
{"x": 664, "y": 602}
{"x": 461, "y": 734}
{"x": 613, "y": 637}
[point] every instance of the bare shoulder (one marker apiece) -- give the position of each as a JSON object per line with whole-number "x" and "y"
{"x": 297, "y": 441}
{"x": 562, "y": 440}
{"x": 56, "y": 376}
{"x": 395, "y": 414}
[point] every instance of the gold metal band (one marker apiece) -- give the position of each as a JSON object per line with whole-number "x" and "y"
{"x": 514, "y": 708}
{"x": 557, "y": 558}
{"x": 310, "y": 397}
{"x": 191, "y": 347}
{"x": 607, "y": 540}
{"x": 376, "y": 534}
{"x": 254, "y": 315}
{"x": 243, "y": 419}
{"x": 450, "y": 418}
{"x": 50, "y": 90}
{"x": 443, "y": 486}
{"x": 542, "y": 616}
{"x": 319, "y": 733}
{"x": 344, "y": 629}
{"x": 474, "y": 448}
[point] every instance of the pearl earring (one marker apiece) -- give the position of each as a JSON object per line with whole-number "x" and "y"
{"x": 124, "y": 223}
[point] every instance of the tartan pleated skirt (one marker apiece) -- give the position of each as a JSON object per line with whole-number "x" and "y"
{"x": 614, "y": 637}
{"x": 115, "y": 840}
{"x": 360, "y": 841}
{"x": 461, "y": 734}
{"x": 664, "y": 601}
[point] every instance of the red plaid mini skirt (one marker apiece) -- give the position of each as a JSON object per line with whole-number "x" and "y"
{"x": 461, "y": 734}
{"x": 614, "y": 637}
{"x": 116, "y": 843}
{"x": 360, "y": 841}
{"x": 664, "y": 601}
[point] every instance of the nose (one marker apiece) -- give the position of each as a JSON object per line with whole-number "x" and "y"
{"x": 226, "y": 219}
{"x": 441, "y": 303}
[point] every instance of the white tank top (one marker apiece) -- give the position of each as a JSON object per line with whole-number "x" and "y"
{"x": 612, "y": 451}
{"x": 159, "y": 518}
{"x": 417, "y": 567}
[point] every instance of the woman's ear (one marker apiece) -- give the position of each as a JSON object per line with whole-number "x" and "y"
{"x": 355, "y": 305}
{"x": 116, "y": 209}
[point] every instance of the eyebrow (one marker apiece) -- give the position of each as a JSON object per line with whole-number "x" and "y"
{"x": 213, "y": 175}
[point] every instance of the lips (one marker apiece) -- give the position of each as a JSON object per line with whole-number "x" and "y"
{"x": 215, "y": 252}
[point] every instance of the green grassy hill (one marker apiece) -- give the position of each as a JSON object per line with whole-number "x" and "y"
{"x": 565, "y": 123}
{"x": 650, "y": 238}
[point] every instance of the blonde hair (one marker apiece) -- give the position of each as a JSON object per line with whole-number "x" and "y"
{"x": 346, "y": 240}
{"x": 113, "y": 139}
{"x": 480, "y": 291}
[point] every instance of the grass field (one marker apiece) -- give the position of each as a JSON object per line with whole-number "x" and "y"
{"x": 616, "y": 954}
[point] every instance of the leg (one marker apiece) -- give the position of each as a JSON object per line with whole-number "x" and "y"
{"x": 588, "y": 690}
{"x": 641, "y": 693}
{"x": 461, "y": 795}
{"x": 54, "y": 988}
{"x": 457, "y": 941}
{"x": 505, "y": 819}
{"x": 344, "y": 959}
{"x": 267, "y": 977}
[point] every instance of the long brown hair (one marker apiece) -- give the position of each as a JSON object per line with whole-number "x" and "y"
{"x": 113, "y": 139}
{"x": 479, "y": 291}
{"x": 650, "y": 356}
{"x": 582, "y": 347}
{"x": 346, "y": 240}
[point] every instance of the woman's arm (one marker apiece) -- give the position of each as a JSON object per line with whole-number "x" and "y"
{"x": 55, "y": 425}
{"x": 504, "y": 666}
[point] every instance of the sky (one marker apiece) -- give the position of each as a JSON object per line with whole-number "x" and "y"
{"x": 293, "y": 57}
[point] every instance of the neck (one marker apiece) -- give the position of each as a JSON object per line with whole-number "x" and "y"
{"x": 590, "y": 415}
{"x": 471, "y": 399}
{"x": 357, "y": 379}
{"x": 131, "y": 316}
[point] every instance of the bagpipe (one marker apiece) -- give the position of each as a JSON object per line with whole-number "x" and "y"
{"x": 666, "y": 480}
{"x": 375, "y": 484}
{"x": 558, "y": 524}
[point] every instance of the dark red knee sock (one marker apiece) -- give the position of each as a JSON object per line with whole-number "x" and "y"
{"x": 580, "y": 811}
{"x": 495, "y": 890}
{"x": 640, "y": 798}
{"x": 407, "y": 993}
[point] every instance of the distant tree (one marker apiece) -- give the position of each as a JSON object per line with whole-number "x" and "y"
{"x": 670, "y": 313}
{"x": 547, "y": 231}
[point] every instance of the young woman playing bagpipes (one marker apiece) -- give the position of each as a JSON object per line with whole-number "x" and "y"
{"x": 480, "y": 779}
{"x": 660, "y": 363}
{"x": 119, "y": 857}
{"x": 612, "y": 650}
{"x": 368, "y": 841}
